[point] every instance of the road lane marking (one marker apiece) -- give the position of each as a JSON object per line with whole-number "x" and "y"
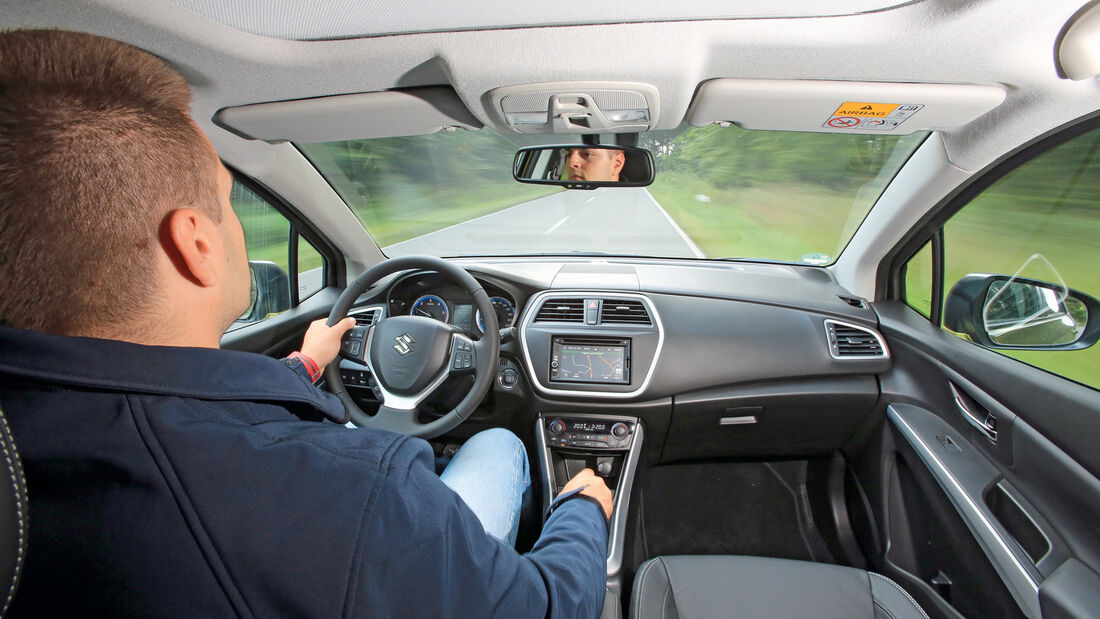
{"x": 555, "y": 226}
{"x": 683, "y": 235}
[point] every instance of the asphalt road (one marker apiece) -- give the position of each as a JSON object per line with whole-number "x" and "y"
{"x": 622, "y": 220}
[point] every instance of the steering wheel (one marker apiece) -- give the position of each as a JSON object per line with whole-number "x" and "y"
{"x": 410, "y": 357}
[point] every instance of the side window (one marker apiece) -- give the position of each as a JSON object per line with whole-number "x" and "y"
{"x": 1020, "y": 263}
{"x": 286, "y": 269}
{"x": 918, "y": 281}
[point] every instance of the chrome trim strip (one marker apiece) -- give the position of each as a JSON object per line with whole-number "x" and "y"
{"x": 1020, "y": 583}
{"x": 878, "y": 336}
{"x": 737, "y": 421}
{"x": 544, "y": 464}
{"x": 535, "y": 302}
{"x": 622, "y": 503}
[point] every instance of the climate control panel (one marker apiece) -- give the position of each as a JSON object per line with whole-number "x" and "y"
{"x": 587, "y": 432}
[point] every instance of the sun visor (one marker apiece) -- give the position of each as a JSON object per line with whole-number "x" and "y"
{"x": 841, "y": 107}
{"x": 392, "y": 113}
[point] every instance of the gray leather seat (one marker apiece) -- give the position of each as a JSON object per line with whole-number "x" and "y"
{"x": 695, "y": 587}
{"x": 13, "y": 516}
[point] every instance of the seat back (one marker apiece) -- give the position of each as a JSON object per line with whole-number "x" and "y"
{"x": 13, "y": 516}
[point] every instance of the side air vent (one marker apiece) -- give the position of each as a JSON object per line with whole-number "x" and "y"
{"x": 851, "y": 342}
{"x": 367, "y": 316}
{"x": 561, "y": 310}
{"x": 624, "y": 312}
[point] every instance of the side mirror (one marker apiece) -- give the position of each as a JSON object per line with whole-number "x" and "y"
{"x": 270, "y": 291}
{"x": 998, "y": 311}
{"x": 584, "y": 166}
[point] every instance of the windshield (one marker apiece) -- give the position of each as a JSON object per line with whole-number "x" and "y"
{"x": 720, "y": 192}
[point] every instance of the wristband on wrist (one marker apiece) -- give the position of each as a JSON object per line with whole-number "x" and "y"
{"x": 576, "y": 494}
{"x": 310, "y": 365}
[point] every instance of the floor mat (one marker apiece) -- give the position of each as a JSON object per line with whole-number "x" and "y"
{"x": 751, "y": 508}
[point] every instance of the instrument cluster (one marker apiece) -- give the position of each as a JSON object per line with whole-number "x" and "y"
{"x": 436, "y": 297}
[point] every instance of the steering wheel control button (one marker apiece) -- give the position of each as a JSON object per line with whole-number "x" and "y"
{"x": 462, "y": 357}
{"x": 357, "y": 378}
{"x": 354, "y": 342}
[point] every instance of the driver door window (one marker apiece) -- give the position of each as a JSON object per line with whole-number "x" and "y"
{"x": 286, "y": 269}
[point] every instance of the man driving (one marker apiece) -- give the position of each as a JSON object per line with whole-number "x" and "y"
{"x": 595, "y": 164}
{"x": 168, "y": 477}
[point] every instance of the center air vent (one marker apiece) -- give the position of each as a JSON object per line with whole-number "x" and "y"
{"x": 851, "y": 342}
{"x": 624, "y": 311}
{"x": 561, "y": 310}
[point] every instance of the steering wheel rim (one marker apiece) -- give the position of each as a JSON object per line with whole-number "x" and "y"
{"x": 400, "y": 408}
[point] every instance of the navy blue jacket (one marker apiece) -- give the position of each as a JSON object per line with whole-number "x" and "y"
{"x": 185, "y": 482}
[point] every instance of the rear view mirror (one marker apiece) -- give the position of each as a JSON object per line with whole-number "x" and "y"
{"x": 584, "y": 166}
{"x": 999, "y": 311}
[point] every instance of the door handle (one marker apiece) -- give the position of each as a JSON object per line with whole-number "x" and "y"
{"x": 986, "y": 423}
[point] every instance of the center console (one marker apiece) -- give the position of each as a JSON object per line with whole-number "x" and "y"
{"x": 610, "y": 445}
{"x": 586, "y": 346}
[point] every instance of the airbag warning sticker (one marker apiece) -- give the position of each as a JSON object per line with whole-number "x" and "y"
{"x": 871, "y": 116}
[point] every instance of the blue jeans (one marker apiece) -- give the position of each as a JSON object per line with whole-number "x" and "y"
{"x": 491, "y": 474}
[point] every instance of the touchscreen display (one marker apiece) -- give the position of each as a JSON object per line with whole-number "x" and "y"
{"x": 590, "y": 361}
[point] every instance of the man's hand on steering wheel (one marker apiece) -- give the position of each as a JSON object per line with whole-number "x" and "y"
{"x": 322, "y": 342}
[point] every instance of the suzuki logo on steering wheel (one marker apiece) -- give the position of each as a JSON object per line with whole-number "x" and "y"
{"x": 404, "y": 344}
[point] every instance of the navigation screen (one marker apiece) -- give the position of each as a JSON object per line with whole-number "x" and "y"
{"x": 581, "y": 361}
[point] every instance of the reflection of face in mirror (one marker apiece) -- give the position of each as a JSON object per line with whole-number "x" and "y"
{"x": 594, "y": 164}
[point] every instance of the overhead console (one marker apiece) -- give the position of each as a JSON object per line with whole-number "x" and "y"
{"x": 577, "y": 107}
{"x": 592, "y": 344}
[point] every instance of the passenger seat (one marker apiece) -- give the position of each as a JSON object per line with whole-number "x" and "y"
{"x": 696, "y": 587}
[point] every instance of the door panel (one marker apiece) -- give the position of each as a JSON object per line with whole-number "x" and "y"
{"x": 1030, "y": 499}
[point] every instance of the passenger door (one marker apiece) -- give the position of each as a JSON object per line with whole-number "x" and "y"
{"x": 985, "y": 482}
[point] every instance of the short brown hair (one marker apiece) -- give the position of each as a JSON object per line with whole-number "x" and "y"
{"x": 96, "y": 147}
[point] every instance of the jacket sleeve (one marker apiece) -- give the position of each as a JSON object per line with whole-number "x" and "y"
{"x": 422, "y": 552}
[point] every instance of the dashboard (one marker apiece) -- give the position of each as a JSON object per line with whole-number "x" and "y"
{"x": 685, "y": 346}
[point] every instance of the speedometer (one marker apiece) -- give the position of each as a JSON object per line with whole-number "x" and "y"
{"x": 431, "y": 306}
{"x": 504, "y": 311}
